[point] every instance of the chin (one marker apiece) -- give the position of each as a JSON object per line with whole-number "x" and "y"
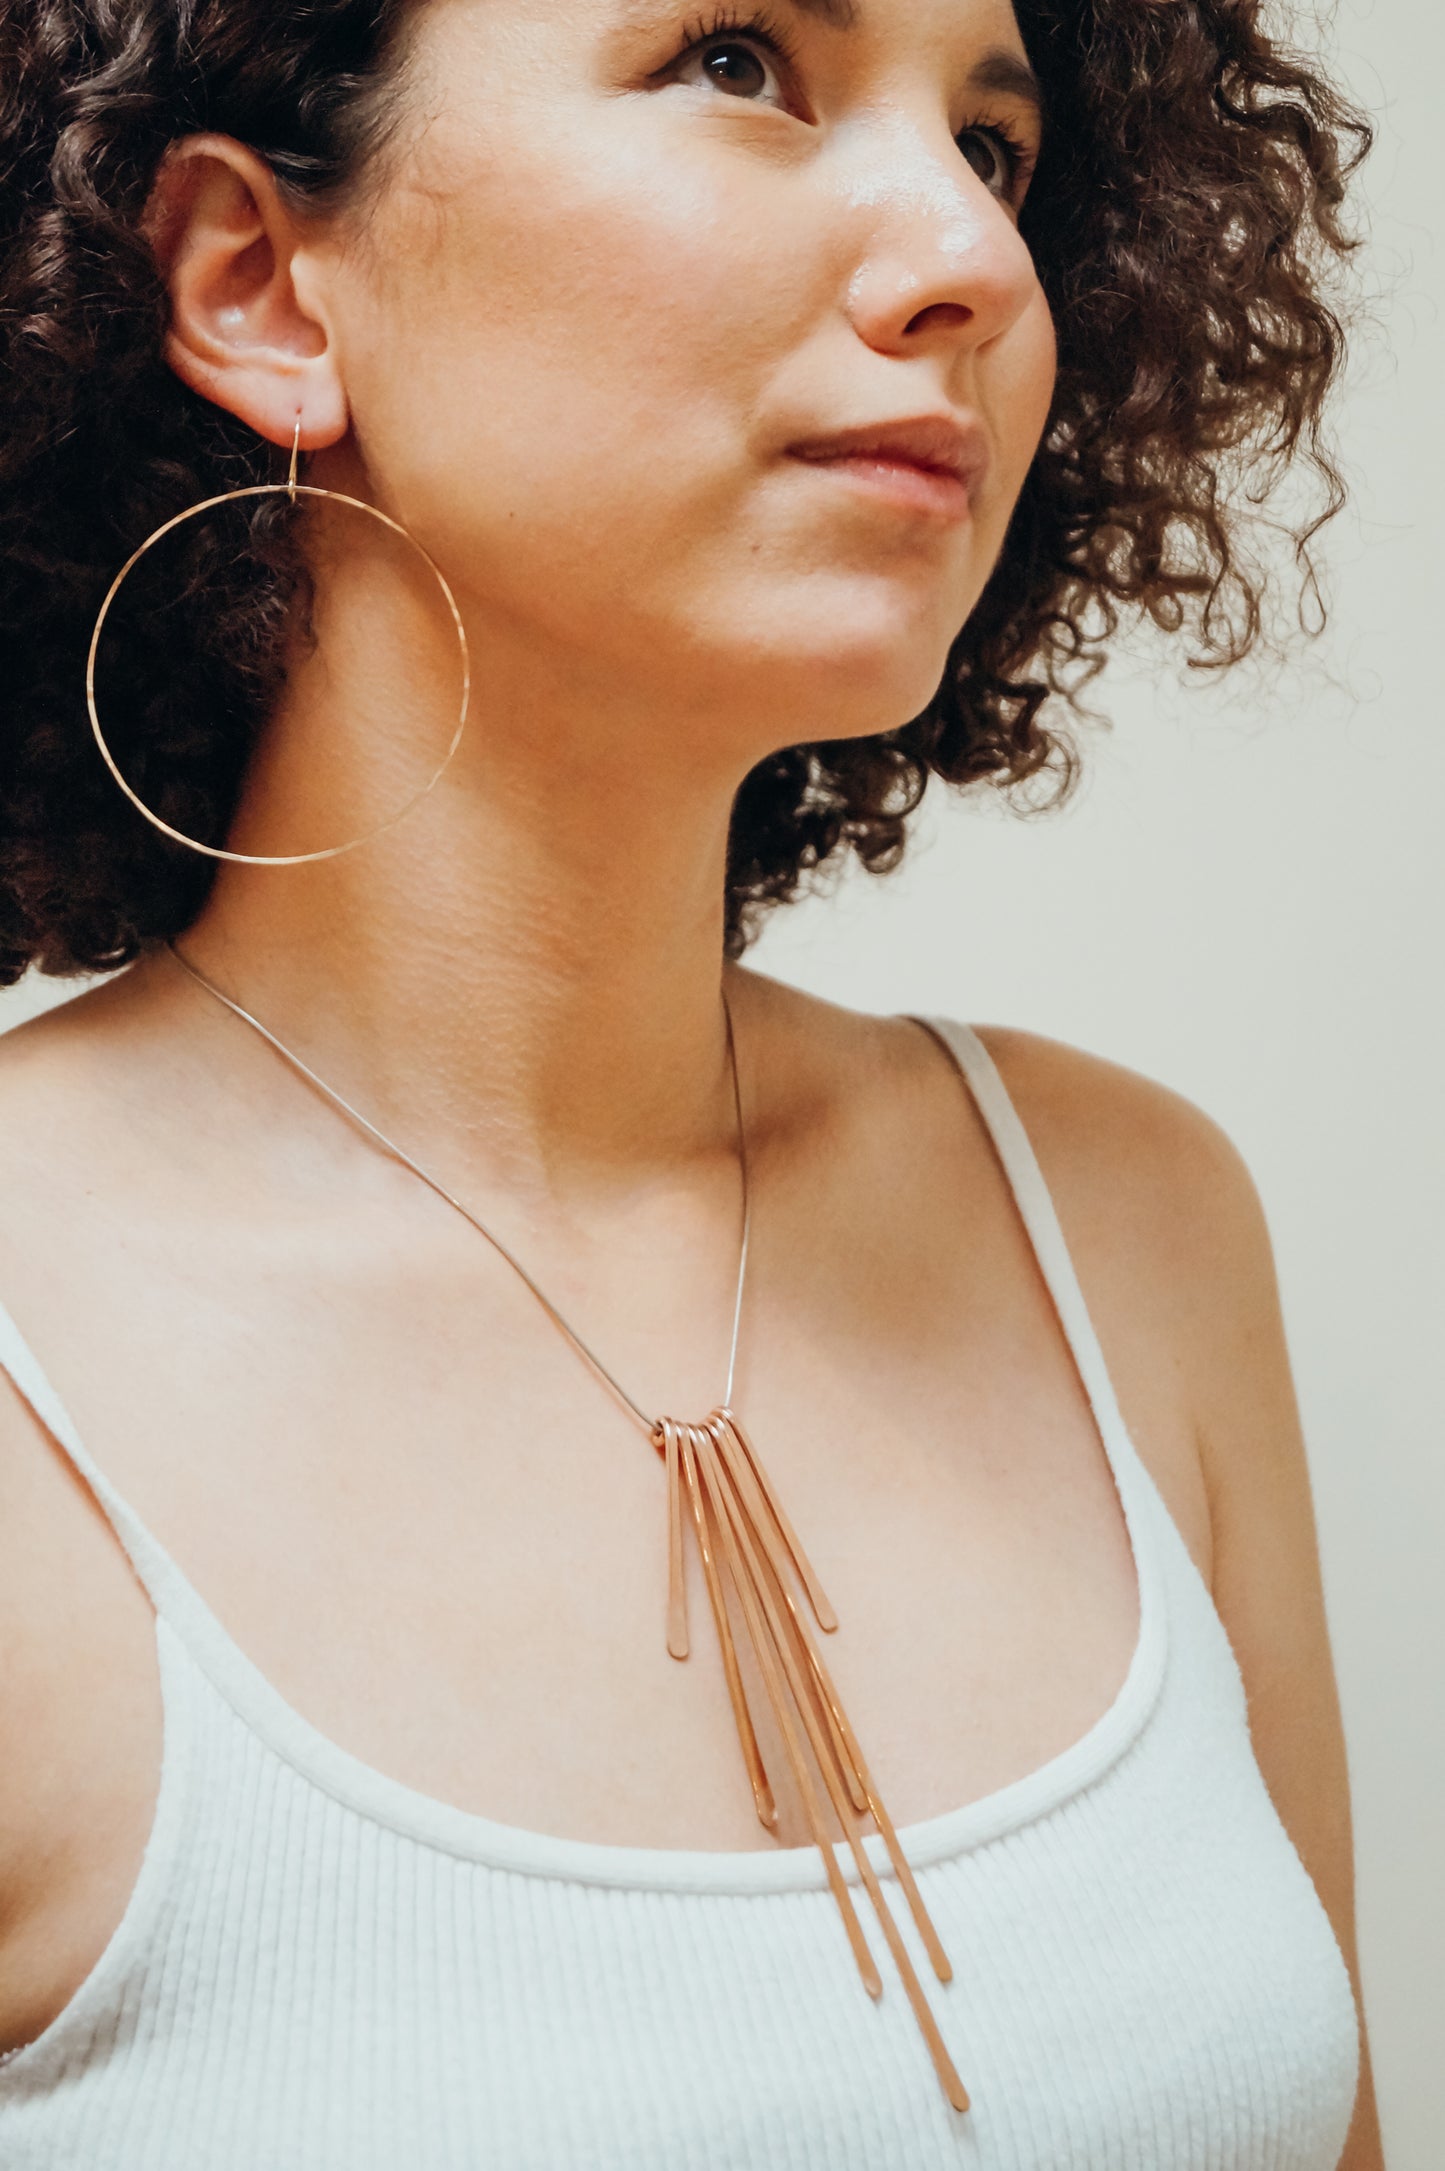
{"x": 866, "y": 663}
{"x": 855, "y": 687}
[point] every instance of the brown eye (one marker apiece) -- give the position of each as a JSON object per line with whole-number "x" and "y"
{"x": 735, "y": 68}
{"x": 989, "y": 158}
{"x": 738, "y": 67}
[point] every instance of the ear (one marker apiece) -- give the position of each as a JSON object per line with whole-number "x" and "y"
{"x": 248, "y": 322}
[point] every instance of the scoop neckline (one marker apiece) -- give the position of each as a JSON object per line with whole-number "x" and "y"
{"x": 191, "y": 1642}
{"x": 187, "y": 1630}
{"x": 487, "y": 1841}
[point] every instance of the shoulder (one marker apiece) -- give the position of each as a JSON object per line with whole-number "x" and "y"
{"x": 1159, "y": 1210}
{"x": 1137, "y": 1171}
{"x": 1190, "y": 1236}
{"x": 80, "y": 1715}
{"x": 1094, "y": 1123}
{"x": 1122, "y": 1152}
{"x": 1165, "y": 1223}
{"x": 78, "y": 1081}
{"x": 1120, "y": 1140}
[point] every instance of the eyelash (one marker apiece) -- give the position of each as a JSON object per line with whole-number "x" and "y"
{"x": 765, "y": 30}
{"x": 727, "y": 22}
{"x": 1018, "y": 157}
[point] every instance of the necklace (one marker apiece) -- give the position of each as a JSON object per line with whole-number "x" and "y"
{"x": 742, "y": 1534}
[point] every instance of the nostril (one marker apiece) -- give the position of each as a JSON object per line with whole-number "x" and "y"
{"x": 939, "y": 314}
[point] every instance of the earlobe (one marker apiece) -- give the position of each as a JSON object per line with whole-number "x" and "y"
{"x": 245, "y": 330}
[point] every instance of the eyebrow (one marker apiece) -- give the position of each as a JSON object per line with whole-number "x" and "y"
{"x": 999, "y": 69}
{"x": 1004, "y": 72}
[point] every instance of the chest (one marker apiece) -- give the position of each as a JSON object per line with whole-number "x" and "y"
{"x": 415, "y": 1510}
{"x": 1150, "y": 1974}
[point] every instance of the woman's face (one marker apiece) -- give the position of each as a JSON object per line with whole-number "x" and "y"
{"x": 622, "y": 259}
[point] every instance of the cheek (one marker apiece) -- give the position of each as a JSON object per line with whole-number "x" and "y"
{"x": 1016, "y": 384}
{"x": 563, "y": 372}
{"x": 565, "y": 356}
{"x": 1021, "y": 386}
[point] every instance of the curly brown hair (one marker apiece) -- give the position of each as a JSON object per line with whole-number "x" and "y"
{"x": 1184, "y": 219}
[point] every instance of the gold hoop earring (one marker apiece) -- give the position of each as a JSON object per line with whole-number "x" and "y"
{"x": 293, "y": 490}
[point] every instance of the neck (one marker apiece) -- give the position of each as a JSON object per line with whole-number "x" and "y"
{"x": 526, "y": 972}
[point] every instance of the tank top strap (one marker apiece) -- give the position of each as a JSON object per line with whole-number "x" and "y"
{"x": 1041, "y": 1222}
{"x": 158, "y": 1574}
{"x": 171, "y": 1593}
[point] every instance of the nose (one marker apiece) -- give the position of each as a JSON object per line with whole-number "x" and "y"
{"x": 939, "y": 260}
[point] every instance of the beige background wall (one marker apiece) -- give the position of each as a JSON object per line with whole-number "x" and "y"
{"x": 1246, "y": 902}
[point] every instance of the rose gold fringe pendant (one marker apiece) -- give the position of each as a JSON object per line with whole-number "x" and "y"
{"x": 744, "y": 1534}
{"x": 745, "y": 1538}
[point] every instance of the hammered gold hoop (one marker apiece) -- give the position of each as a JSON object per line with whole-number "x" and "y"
{"x": 293, "y": 490}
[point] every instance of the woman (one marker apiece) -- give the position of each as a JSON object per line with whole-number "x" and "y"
{"x": 787, "y": 404}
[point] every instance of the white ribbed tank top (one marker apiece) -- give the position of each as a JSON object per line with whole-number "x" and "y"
{"x": 320, "y": 1969}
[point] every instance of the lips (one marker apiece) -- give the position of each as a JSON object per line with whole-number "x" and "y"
{"x": 937, "y": 444}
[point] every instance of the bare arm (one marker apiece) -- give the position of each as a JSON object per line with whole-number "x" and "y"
{"x": 1267, "y": 1581}
{"x": 1165, "y": 1223}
